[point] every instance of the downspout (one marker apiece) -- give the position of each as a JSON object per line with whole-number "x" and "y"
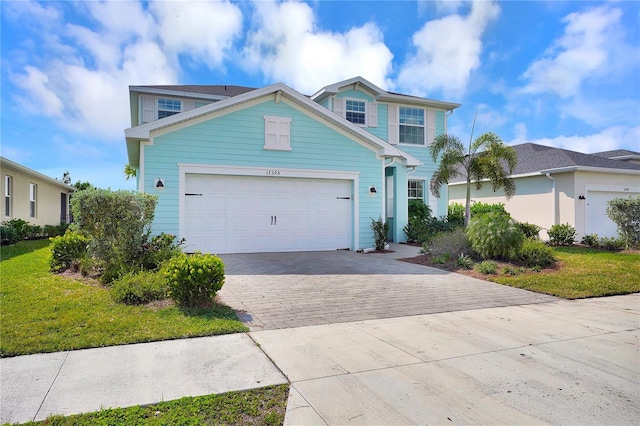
{"x": 555, "y": 201}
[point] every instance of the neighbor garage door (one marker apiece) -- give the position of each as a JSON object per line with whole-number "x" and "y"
{"x": 245, "y": 214}
{"x": 596, "y": 215}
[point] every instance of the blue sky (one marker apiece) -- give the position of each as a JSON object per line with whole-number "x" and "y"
{"x": 558, "y": 73}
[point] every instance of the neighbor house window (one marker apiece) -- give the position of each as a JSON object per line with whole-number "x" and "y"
{"x": 167, "y": 107}
{"x": 8, "y": 180}
{"x": 416, "y": 189}
{"x": 355, "y": 111}
{"x": 33, "y": 194}
{"x": 411, "y": 122}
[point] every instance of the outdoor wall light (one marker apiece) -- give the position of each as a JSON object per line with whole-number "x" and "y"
{"x": 372, "y": 189}
{"x": 581, "y": 197}
{"x": 159, "y": 183}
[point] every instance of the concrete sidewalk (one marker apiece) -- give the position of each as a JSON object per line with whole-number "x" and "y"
{"x": 33, "y": 387}
{"x": 564, "y": 362}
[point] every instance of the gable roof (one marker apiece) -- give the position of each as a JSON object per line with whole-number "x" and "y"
{"x": 381, "y": 94}
{"x": 8, "y": 163}
{"x": 533, "y": 158}
{"x": 143, "y": 132}
{"x": 205, "y": 91}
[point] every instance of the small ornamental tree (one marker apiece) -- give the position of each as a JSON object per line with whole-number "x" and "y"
{"x": 625, "y": 212}
{"x": 117, "y": 224}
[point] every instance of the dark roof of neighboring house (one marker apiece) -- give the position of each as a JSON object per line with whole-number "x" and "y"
{"x": 206, "y": 89}
{"x": 616, "y": 153}
{"x": 532, "y": 158}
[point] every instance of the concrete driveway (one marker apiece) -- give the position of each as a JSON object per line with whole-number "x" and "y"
{"x": 284, "y": 290}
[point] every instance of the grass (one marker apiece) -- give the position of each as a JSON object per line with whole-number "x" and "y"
{"x": 265, "y": 406}
{"x": 583, "y": 272}
{"x": 45, "y": 312}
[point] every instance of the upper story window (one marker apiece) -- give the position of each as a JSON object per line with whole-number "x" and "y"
{"x": 411, "y": 121}
{"x": 8, "y": 181}
{"x": 167, "y": 107}
{"x": 33, "y": 194}
{"x": 416, "y": 189}
{"x": 356, "y": 111}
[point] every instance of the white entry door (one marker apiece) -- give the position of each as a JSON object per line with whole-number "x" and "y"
{"x": 245, "y": 214}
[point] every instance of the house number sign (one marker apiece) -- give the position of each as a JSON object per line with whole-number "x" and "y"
{"x": 273, "y": 172}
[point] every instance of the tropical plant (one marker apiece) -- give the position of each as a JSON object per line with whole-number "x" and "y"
{"x": 495, "y": 235}
{"x": 484, "y": 159}
{"x": 194, "y": 280}
{"x": 380, "y": 230}
{"x": 562, "y": 234}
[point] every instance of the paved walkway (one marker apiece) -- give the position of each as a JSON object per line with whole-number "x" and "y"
{"x": 284, "y": 290}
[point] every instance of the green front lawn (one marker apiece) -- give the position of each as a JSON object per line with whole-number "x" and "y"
{"x": 45, "y": 312}
{"x": 583, "y": 272}
{"x": 265, "y": 406}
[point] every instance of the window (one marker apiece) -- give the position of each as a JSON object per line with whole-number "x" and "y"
{"x": 277, "y": 133}
{"x": 355, "y": 111}
{"x": 167, "y": 107}
{"x": 416, "y": 189}
{"x": 411, "y": 126}
{"x": 8, "y": 180}
{"x": 33, "y": 193}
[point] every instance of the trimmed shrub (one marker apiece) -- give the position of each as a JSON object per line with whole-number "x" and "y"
{"x": 536, "y": 253}
{"x": 482, "y": 208}
{"x": 161, "y": 248}
{"x": 140, "y": 288}
{"x": 611, "y": 243}
{"x": 453, "y": 243}
{"x": 417, "y": 208}
{"x": 455, "y": 214}
{"x": 67, "y": 251}
{"x": 486, "y": 267}
{"x": 380, "y": 231}
{"x": 194, "y": 280}
{"x": 564, "y": 234}
{"x": 625, "y": 212}
{"x": 33, "y": 232}
{"x": 530, "y": 230}
{"x": 55, "y": 230}
{"x": 495, "y": 235}
{"x": 8, "y": 234}
{"x": 20, "y": 227}
{"x": 591, "y": 240}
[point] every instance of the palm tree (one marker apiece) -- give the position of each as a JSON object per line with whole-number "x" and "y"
{"x": 485, "y": 160}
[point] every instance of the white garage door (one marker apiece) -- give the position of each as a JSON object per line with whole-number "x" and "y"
{"x": 246, "y": 214}
{"x": 596, "y": 216}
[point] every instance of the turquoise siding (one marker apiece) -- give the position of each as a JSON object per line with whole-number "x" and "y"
{"x": 200, "y": 104}
{"x": 238, "y": 138}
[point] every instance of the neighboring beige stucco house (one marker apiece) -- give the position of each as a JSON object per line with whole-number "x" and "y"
{"x": 557, "y": 186}
{"x": 32, "y": 196}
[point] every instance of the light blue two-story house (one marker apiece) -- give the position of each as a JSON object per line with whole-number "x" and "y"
{"x": 240, "y": 170}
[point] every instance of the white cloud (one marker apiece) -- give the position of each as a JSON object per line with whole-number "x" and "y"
{"x": 287, "y": 47}
{"x": 202, "y": 30}
{"x": 447, "y": 50}
{"x": 618, "y": 137}
{"x": 40, "y": 95}
{"x": 584, "y": 51}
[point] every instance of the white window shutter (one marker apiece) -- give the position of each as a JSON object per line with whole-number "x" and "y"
{"x": 338, "y": 107}
{"x": 373, "y": 114}
{"x": 393, "y": 124}
{"x": 433, "y": 201}
{"x": 277, "y": 133}
{"x": 148, "y": 109}
{"x": 431, "y": 126}
{"x": 270, "y": 133}
{"x": 284, "y": 130}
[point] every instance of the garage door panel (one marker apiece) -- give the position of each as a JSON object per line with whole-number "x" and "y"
{"x": 597, "y": 221}
{"x": 238, "y": 214}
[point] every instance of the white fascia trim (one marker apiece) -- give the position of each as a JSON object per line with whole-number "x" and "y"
{"x": 267, "y": 172}
{"x": 413, "y": 100}
{"x": 625, "y": 189}
{"x": 626, "y": 157}
{"x": 592, "y": 170}
{"x": 176, "y": 93}
{"x": 36, "y": 174}
{"x": 334, "y": 88}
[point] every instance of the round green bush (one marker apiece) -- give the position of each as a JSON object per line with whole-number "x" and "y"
{"x": 536, "y": 253}
{"x": 564, "y": 234}
{"x": 194, "y": 279}
{"x": 494, "y": 235}
{"x": 139, "y": 288}
{"x": 67, "y": 250}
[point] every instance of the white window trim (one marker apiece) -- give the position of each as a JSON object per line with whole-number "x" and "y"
{"x": 423, "y": 186}
{"x": 281, "y": 134}
{"x": 8, "y": 182}
{"x": 424, "y": 126}
{"x": 163, "y": 98}
{"x": 33, "y": 198}
{"x": 370, "y": 110}
{"x": 366, "y": 111}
